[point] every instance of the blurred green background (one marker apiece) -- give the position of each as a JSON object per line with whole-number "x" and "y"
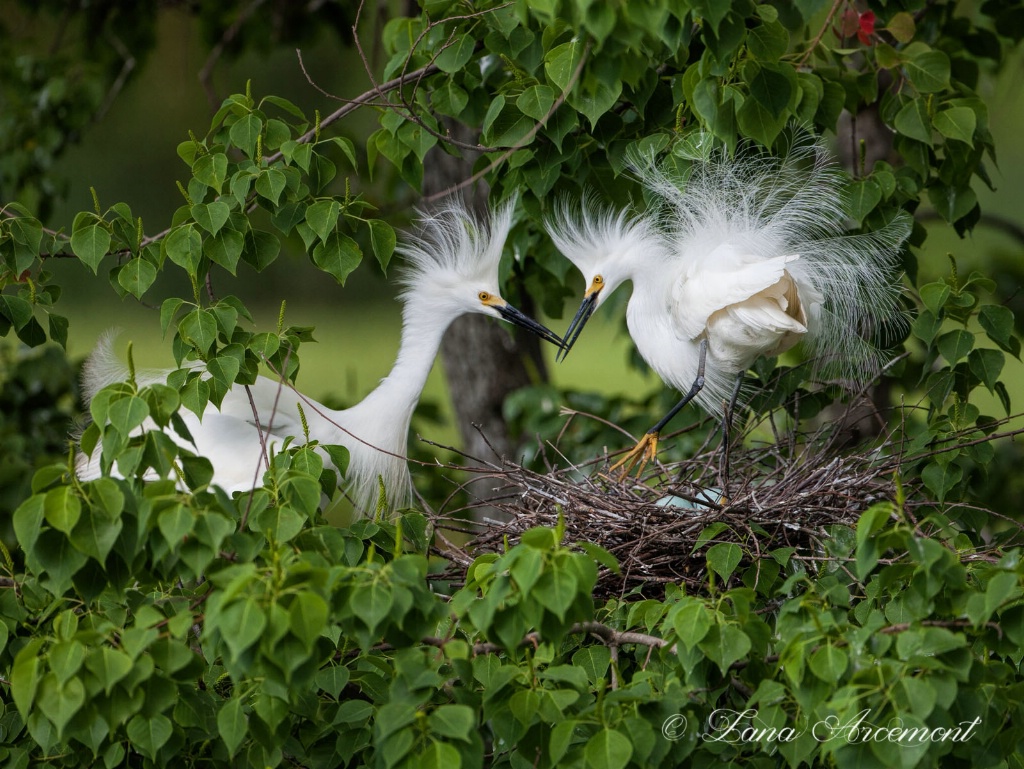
{"x": 357, "y": 327}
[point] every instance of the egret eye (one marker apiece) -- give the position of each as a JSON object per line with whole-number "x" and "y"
{"x": 483, "y": 296}
{"x": 598, "y": 280}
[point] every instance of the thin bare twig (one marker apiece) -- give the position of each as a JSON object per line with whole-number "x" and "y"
{"x": 206, "y": 73}
{"x": 821, "y": 32}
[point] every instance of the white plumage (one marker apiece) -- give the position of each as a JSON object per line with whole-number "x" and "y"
{"x": 746, "y": 255}
{"x": 452, "y": 269}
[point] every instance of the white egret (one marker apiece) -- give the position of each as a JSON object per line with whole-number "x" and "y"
{"x": 741, "y": 256}
{"x": 452, "y": 269}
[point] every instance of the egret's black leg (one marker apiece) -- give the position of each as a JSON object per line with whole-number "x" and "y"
{"x": 696, "y": 387}
{"x": 726, "y": 424}
{"x": 647, "y": 448}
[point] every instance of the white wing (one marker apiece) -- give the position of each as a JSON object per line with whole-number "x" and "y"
{"x": 727, "y": 276}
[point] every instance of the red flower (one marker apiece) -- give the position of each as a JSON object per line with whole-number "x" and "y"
{"x": 866, "y": 27}
{"x": 860, "y": 24}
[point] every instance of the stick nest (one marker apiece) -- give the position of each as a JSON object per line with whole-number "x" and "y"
{"x": 786, "y": 494}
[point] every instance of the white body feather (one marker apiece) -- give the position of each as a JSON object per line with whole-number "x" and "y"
{"x": 451, "y": 259}
{"x": 748, "y": 253}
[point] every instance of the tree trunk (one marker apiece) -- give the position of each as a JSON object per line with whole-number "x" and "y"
{"x": 863, "y": 139}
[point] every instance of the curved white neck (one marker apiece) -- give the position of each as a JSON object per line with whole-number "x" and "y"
{"x": 422, "y": 330}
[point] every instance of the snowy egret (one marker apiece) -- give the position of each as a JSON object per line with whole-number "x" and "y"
{"x": 452, "y": 269}
{"x": 739, "y": 257}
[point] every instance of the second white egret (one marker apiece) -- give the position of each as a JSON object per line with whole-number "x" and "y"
{"x": 452, "y": 269}
{"x": 743, "y": 256}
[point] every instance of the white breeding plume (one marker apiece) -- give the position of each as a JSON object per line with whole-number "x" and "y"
{"x": 740, "y": 256}
{"x": 452, "y": 269}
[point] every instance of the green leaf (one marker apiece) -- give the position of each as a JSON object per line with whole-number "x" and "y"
{"x": 62, "y": 508}
{"x": 65, "y": 658}
{"x": 372, "y": 604}
{"x": 184, "y": 247}
{"x": 597, "y": 91}
{"x": 594, "y": 661}
{"x": 332, "y": 679}
{"x": 771, "y": 86}
{"x": 935, "y": 295}
{"x": 245, "y": 132}
{"x": 454, "y": 57}
{"x": 608, "y": 749}
{"x": 225, "y": 248}
{"x": 95, "y": 534}
{"x": 556, "y": 590}
{"x": 27, "y": 235}
{"x": 232, "y": 724}
{"x": 175, "y": 524}
{"x": 338, "y": 255}
{"x": 691, "y": 621}
{"x": 136, "y": 276}
{"x": 307, "y": 617}
{"x": 223, "y": 370}
{"x": 756, "y": 121}
{"x": 25, "y": 676}
{"x": 712, "y": 11}
{"x": 109, "y": 666}
{"x": 862, "y": 197}
{"x": 902, "y": 27}
{"x": 125, "y": 414}
{"x": 955, "y": 344}
{"x": 449, "y": 99}
{"x": 527, "y": 568}
{"x": 952, "y": 203}
{"x": 91, "y": 244}
{"x": 149, "y": 733}
{"x": 941, "y": 478}
{"x": 211, "y": 170}
{"x": 997, "y": 321}
{"x": 535, "y": 101}
{"x": 987, "y": 365}
{"x": 58, "y": 329}
{"x": 929, "y": 71}
{"x": 561, "y": 740}
{"x": 195, "y": 396}
{"x": 60, "y": 703}
{"x": 242, "y": 624}
{"x": 437, "y": 755}
{"x": 260, "y": 249}
{"x": 561, "y": 61}
{"x": 724, "y": 645}
{"x": 912, "y": 120}
{"x": 455, "y": 721}
{"x": 199, "y": 328}
{"x": 322, "y": 217}
{"x": 829, "y": 663}
{"x": 723, "y": 558}
{"x": 271, "y": 183}
{"x": 16, "y": 310}
{"x": 1002, "y": 587}
{"x": 926, "y": 326}
{"x": 957, "y": 123}
{"x": 211, "y": 216}
{"x": 382, "y": 240}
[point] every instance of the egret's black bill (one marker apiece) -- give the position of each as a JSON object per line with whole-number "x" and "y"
{"x": 576, "y": 327}
{"x": 516, "y": 317}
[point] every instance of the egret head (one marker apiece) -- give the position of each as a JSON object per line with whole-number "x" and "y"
{"x": 607, "y": 246}
{"x": 453, "y": 266}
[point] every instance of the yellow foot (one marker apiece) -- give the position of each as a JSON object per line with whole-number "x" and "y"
{"x": 644, "y": 451}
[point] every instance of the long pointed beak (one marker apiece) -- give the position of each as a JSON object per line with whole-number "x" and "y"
{"x": 518, "y": 318}
{"x": 572, "y": 333}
